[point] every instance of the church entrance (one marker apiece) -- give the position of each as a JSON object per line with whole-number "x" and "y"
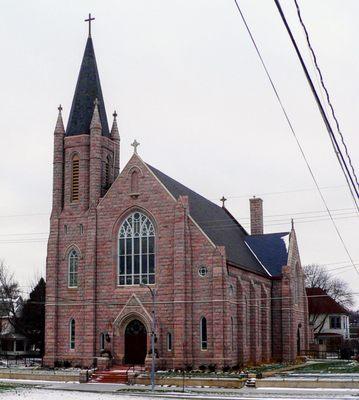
{"x": 135, "y": 343}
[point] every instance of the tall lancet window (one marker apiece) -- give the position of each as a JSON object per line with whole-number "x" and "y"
{"x": 134, "y": 182}
{"x": 73, "y": 263}
{"x": 75, "y": 178}
{"x": 136, "y": 256}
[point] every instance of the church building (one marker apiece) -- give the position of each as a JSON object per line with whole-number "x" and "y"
{"x": 133, "y": 253}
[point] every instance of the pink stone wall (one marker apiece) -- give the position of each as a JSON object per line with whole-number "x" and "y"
{"x": 244, "y": 324}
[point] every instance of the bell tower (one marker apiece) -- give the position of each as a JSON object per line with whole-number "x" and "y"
{"x": 85, "y": 164}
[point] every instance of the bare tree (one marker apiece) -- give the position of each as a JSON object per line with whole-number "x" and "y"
{"x": 9, "y": 292}
{"x": 318, "y": 276}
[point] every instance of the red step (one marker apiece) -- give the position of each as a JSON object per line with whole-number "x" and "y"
{"x": 117, "y": 374}
{"x": 111, "y": 376}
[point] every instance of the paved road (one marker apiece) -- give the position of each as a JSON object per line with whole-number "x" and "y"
{"x": 75, "y": 391}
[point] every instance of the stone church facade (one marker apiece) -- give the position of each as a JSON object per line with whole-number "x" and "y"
{"x": 133, "y": 251}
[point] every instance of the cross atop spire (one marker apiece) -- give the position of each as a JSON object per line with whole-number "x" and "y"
{"x": 223, "y": 200}
{"x": 89, "y": 19}
{"x": 135, "y": 144}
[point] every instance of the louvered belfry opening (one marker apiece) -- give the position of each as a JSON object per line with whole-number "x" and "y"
{"x": 107, "y": 173}
{"x": 75, "y": 178}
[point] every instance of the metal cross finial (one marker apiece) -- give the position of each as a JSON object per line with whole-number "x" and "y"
{"x": 114, "y": 114}
{"x": 89, "y": 21}
{"x": 135, "y": 144}
{"x": 223, "y": 200}
{"x": 59, "y": 108}
{"x": 96, "y": 102}
{"x": 292, "y": 223}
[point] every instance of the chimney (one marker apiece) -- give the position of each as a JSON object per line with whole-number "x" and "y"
{"x": 256, "y": 209}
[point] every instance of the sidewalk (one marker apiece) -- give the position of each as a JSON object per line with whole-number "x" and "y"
{"x": 177, "y": 393}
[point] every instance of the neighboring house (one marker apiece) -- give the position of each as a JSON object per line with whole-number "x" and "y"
{"x": 329, "y": 320}
{"x": 354, "y": 325}
{"x": 11, "y": 342}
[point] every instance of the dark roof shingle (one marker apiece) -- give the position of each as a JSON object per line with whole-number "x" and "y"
{"x": 216, "y": 222}
{"x": 271, "y": 249}
{"x": 319, "y": 302}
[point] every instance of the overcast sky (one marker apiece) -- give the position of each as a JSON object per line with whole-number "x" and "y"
{"x": 187, "y": 84}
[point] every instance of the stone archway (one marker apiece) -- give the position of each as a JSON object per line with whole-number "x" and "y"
{"x": 135, "y": 343}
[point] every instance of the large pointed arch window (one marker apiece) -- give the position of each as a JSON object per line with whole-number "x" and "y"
{"x": 136, "y": 256}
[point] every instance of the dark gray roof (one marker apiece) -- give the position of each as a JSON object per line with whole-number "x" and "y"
{"x": 88, "y": 88}
{"x": 218, "y": 224}
{"x": 271, "y": 249}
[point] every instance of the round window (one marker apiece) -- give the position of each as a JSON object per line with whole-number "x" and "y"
{"x": 202, "y": 271}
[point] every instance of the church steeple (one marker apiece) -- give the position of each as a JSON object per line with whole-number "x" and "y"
{"x": 88, "y": 89}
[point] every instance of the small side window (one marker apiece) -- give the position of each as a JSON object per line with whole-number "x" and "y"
{"x": 169, "y": 341}
{"x": 203, "y": 333}
{"x": 72, "y": 334}
{"x": 102, "y": 341}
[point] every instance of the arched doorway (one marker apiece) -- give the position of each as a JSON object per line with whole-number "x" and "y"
{"x": 135, "y": 342}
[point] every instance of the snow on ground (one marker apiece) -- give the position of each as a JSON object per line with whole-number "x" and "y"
{"x": 46, "y": 394}
{"x": 43, "y": 394}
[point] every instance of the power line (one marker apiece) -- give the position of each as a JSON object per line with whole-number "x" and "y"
{"x": 325, "y": 90}
{"x": 112, "y": 302}
{"x": 334, "y": 142}
{"x": 339, "y": 212}
{"x": 214, "y": 199}
{"x": 294, "y": 134}
{"x": 211, "y": 225}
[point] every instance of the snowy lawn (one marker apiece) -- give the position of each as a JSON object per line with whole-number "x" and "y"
{"x": 44, "y": 394}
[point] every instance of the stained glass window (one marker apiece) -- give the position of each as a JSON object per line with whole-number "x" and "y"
{"x": 136, "y": 255}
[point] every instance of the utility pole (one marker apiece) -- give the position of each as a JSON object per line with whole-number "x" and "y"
{"x": 153, "y": 334}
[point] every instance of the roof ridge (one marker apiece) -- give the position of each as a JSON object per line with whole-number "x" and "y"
{"x": 228, "y": 233}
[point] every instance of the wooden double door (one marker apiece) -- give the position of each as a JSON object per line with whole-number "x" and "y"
{"x": 135, "y": 343}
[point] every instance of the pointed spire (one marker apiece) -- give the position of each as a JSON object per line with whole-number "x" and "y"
{"x": 88, "y": 88}
{"x": 59, "y": 128}
{"x": 292, "y": 223}
{"x": 96, "y": 121}
{"x": 115, "y": 134}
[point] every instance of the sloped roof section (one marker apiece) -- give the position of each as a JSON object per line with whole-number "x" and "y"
{"x": 271, "y": 249}
{"x": 88, "y": 88}
{"x": 216, "y": 222}
{"x": 319, "y": 302}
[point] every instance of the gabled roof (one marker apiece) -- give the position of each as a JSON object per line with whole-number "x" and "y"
{"x": 319, "y": 302}
{"x": 88, "y": 88}
{"x": 271, "y": 249}
{"x": 217, "y": 223}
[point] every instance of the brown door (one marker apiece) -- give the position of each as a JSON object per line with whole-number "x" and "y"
{"x": 135, "y": 343}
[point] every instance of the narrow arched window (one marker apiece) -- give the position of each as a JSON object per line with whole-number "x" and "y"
{"x": 136, "y": 255}
{"x": 245, "y": 319}
{"x": 75, "y": 178}
{"x": 102, "y": 341}
{"x": 297, "y": 284}
{"x": 203, "y": 333}
{"x": 72, "y": 334}
{"x": 232, "y": 333}
{"x": 169, "y": 341}
{"x": 73, "y": 263}
{"x": 134, "y": 182}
